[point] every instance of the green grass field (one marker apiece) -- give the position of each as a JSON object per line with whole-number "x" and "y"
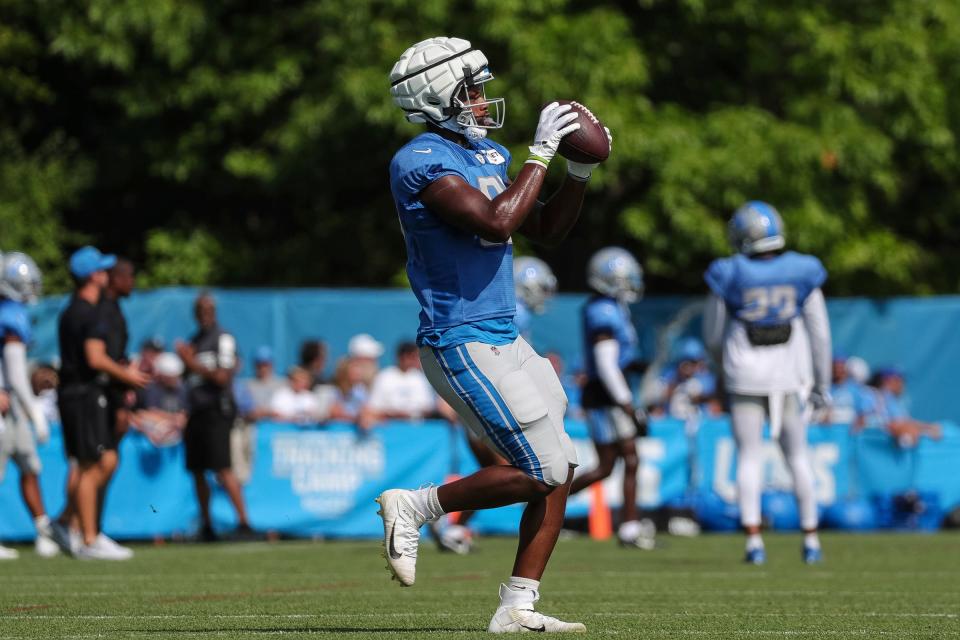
{"x": 870, "y": 586}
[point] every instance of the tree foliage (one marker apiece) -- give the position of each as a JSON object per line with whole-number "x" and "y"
{"x": 243, "y": 142}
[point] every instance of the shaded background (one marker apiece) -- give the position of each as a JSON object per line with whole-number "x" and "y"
{"x": 246, "y": 142}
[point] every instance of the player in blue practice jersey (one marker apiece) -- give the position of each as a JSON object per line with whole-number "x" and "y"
{"x": 611, "y": 353}
{"x": 766, "y": 321}
{"x": 20, "y": 285}
{"x": 458, "y": 210}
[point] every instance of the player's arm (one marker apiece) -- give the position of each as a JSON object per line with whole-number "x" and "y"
{"x": 817, "y": 324}
{"x": 222, "y": 374}
{"x": 15, "y": 361}
{"x": 95, "y": 351}
{"x": 550, "y": 222}
{"x": 459, "y": 204}
{"x": 714, "y": 326}
{"x": 606, "y": 354}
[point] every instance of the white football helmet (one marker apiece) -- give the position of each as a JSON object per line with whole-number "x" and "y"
{"x": 20, "y": 278}
{"x": 431, "y": 80}
{"x": 534, "y": 281}
{"x": 756, "y": 227}
{"x": 613, "y": 272}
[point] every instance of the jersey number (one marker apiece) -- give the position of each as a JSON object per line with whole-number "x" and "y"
{"x": 491, "y": 186}
{"x": 769, "y": 303}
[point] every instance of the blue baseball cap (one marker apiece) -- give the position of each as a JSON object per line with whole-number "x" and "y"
{"x": 263, "y": 354}
{"x": 689, "y": 349}
{"x": 87, "y": 260}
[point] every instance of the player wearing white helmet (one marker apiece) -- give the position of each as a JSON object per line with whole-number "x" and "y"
{"x": 535, "y": 285}
{"x": 20, "y": 283}
{"x": 458, "y": 210}
{"x": 766, "y": 322}
{"x": 611, "y": 354}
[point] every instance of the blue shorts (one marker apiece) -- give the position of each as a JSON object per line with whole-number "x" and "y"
{"x": 610, "y": 425}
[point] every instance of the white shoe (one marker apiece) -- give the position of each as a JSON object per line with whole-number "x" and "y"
{"x": 45, "y": 546}
{"x": 100, "y": 551}
{"x": 401, "y": 533}
{"x": 522, "y": 618}
{"x": 6, "y": 553}
{"x": 638, "y": 533}
{"x": 112, "y": 544}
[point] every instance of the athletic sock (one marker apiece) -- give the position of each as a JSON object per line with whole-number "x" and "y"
{"x": 811, "y": 540}
{"x": 42, "y": 523}
{"x": 428, "y": 504}
{"x": 519, "y": 591}
{"x": 754, "y": 541}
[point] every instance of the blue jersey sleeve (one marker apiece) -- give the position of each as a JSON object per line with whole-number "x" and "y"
{"x": 602, "y": 316}
{"x": 816, "y": 272}
{"x": 719, "y": 276}
{"x": 418, "y": 164}
{"x": 14, "y": 321}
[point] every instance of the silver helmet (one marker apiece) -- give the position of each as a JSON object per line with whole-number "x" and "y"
{"x": 20, "y": 278}
{"x": 756, "y": 227}
{"x": 613, "y": 272}
{"x": 534, "y": 281}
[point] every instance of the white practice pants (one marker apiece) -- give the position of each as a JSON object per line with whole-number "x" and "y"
{"x": 748, "y": 414}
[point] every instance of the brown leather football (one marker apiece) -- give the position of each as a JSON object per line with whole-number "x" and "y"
{"x": 589, "y": 143}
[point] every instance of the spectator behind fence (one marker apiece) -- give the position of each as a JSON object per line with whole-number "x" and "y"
{"x": 295, "y": 402}
{"x": 400, "y": 392}
{"x": 313, "y": 358}
{"x": 150, "y": 350}
{"x": 853, "y": 401}
{"x": 353, "y": 377}
{"x": 45, "y": 381}
{"x": 161, "y": 412}
{"x": 690, "y": 387}
{"x": 262, "y": 387}
{"x": 892, "y": 412}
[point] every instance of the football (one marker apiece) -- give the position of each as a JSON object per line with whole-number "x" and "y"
{"x": 589, "y": 143}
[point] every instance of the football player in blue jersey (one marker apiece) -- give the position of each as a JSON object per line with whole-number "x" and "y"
{"x": 20, "y": 282}
{"x": 535, "y": 285}
{"x": 458, "y": 210}
{"x": 766, "y": 322}
{"x": 611, "y": 353}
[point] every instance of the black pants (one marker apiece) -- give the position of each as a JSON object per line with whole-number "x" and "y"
{"x": 207, "y": 439}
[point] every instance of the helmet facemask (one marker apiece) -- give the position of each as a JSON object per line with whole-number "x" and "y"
{"x": 472, "y": 113}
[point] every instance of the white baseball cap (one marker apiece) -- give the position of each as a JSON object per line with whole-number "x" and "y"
{"x": 363, "y": 345}
{"x": 169, "y": 364}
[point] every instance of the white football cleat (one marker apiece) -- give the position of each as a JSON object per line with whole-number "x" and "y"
{"x": 117, "y": 548}
{"x": 6, "y": 553}
{"x": 401, "y": 533}
{"x": 522, "y": 618}
{"x": 45, "y": 547}
{"x": 100, "y": 550}
{"x": 638, "y": 533}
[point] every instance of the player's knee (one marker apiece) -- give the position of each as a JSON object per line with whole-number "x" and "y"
{"x": 630, "y": 462}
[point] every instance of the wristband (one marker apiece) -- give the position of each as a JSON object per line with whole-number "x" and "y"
{"x": 535, "y": 159}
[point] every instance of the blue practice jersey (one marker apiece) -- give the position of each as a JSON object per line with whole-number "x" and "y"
{"x": 765, "y": 291}
{"x": 523, "y": 319}
{"x": 15, "y": 321}
{"x": 463, "y": 282}
{"x": 605, "y": 315}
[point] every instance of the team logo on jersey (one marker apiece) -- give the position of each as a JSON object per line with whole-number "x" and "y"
{"x": 490, "y": 155}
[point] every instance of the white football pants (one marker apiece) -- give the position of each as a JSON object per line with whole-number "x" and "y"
{"x": 748, "y": 414}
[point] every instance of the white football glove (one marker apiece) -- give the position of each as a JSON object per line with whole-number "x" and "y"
{"x": 582, "y": 171}
{"x": 555, "y": 122}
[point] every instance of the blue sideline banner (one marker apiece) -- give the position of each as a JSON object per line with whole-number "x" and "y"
{"x": 314, "y": 482}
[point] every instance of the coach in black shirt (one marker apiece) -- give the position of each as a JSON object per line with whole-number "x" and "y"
{"x": 211, "y": 360}
{"x": 86, "y": 371}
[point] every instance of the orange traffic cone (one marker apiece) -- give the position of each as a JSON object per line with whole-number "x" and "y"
{"x": 599, "y": 518}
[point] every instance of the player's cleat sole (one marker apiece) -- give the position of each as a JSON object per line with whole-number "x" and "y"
{"x": 401, "y": 534}
{"x": 527, "y": 620}
{"x": 755, "y": 557}
{"x": 812, "y": 556}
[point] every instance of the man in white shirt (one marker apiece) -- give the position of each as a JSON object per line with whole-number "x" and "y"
{"x": 296, "y": 402}
{"x": 400, "y": 392}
